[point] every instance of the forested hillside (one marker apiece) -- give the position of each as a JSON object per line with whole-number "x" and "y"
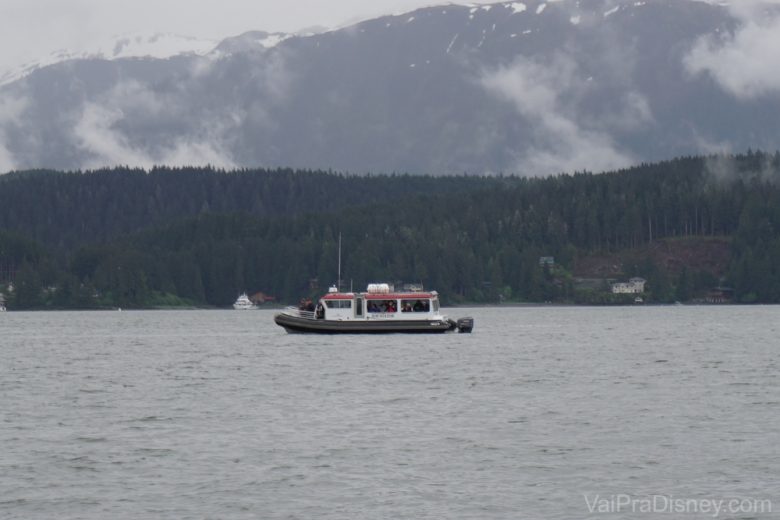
{"x": 203, "y": 236}
{"x": 63, "y": 210}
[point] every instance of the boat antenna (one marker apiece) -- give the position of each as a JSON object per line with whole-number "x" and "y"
{"x": 338, "y": 281}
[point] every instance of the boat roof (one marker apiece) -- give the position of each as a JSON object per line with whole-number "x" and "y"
{"x": 382, "y": 296}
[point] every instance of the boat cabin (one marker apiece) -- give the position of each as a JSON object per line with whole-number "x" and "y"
{"x": 379, "y": 302}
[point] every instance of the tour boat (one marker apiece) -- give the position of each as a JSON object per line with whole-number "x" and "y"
{"x": 379, "y": 309}
{"x": 243, "y": 303}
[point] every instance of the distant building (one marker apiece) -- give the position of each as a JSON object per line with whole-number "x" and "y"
{"x": 633, "y": 286}
{"x": 720, "y": 295}
{"x": 260, "y": 298}
{"x": 546, "y": 261}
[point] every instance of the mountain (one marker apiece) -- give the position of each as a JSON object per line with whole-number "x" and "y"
{"x": 524, "y": 87}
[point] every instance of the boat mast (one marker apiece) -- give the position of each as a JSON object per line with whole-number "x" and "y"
{"x": 338, "y": 281}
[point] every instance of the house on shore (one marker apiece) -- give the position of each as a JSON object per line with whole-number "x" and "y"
{"x": 633, "y": 286}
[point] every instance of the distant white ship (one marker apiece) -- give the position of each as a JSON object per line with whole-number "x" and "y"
{"x": 243, "y": 303}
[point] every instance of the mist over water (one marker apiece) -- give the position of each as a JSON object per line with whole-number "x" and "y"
{"x": 221, "y": 414}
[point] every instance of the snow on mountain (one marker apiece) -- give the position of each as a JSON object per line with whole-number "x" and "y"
{"x": 158, "y": 45}
{"x": 248, "y": 42}
{"x": 155, "y": 46}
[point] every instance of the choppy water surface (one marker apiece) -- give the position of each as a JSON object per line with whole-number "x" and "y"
{"x": 220, "y": 414}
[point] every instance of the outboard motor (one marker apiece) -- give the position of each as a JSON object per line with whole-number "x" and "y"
{"x": 465, "y": 324}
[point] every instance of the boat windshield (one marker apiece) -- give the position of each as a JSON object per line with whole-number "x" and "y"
{"x": 417, "y": 305}
{"x": 338, "y": 304}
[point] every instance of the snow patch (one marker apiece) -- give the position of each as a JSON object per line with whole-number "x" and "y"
{"x": 540, "y": 9}
{"x": 612, "y": 11}
{"x": 411, "y": 19}
{"x": 517, "y": 7}
{"x": 272, "y": 40}
{"x": 155, "y": 46}
{"x": 575, "y": 20}
{"x": 449, "y": 47}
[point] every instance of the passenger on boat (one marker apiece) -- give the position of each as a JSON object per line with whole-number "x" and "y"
{"x": 373, "y": 307}
{"x": 390, "y": 306}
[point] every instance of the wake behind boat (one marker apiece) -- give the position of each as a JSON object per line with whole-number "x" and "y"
{"x": 378, "y": 310}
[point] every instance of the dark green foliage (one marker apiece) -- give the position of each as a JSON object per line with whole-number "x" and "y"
{"x": 65, "y": 210}
{"x": 134, "y": 239}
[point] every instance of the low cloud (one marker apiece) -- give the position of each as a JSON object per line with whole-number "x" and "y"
{"x": 6, "y": 159}
{"x": 743, "y": 63}
{"x": 547, "y": 94}
{"x": 710, "y": 147}
{"x": 725, "y": 168}
{"x": 11, "y": 110}
{"x": 180, "y": 123}
{"x": 112, "y": 132}
{"x": 96, "y": 133}
{"x": 188, "y": 152}
{"x": 272, "y": 72}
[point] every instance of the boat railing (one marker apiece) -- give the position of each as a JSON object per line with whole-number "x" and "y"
{"x": 295, "y": 311}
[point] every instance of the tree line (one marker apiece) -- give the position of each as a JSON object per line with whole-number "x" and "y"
{"x": 131, "y": 238}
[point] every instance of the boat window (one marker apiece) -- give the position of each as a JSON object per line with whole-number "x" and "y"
{"x": 382, "y": 306}
{"x": 435, "y": 305}
{"x": 415, "y": 305}
{"x": 339, "y": 304}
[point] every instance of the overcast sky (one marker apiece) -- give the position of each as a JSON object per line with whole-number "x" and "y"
{"x": 31, "y": 29}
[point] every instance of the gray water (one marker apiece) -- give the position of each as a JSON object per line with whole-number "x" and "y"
{"x": 537, "y": 414}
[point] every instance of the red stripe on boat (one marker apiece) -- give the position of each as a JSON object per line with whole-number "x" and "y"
{"x": 380, "y": 296}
